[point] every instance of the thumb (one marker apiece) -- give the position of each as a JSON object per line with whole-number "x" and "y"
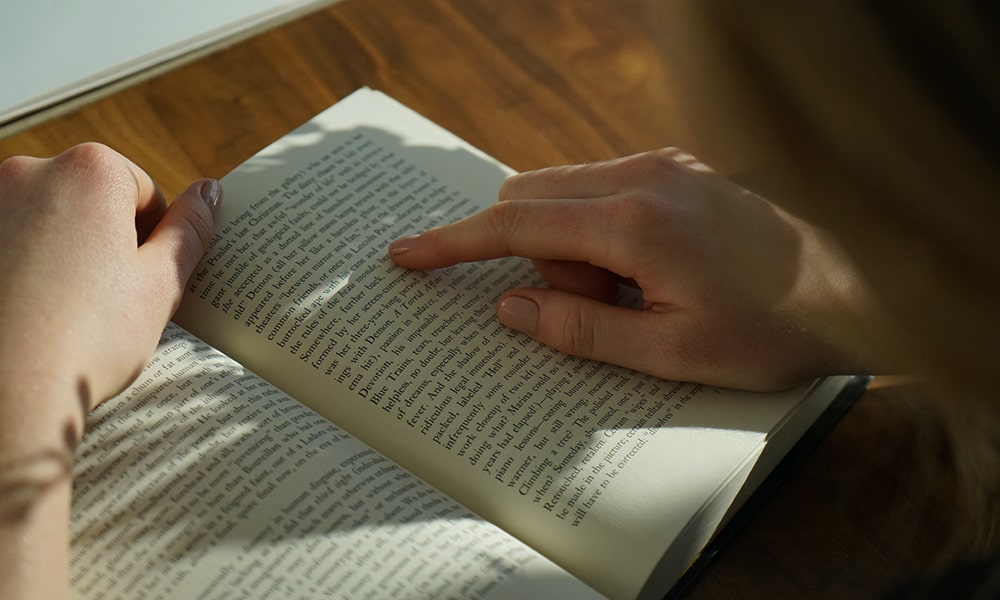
{"x": 588, "y": 328}
{"x": 181, "y": 238}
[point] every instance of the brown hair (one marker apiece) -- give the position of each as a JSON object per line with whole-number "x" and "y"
{"x": 880, "y": 123}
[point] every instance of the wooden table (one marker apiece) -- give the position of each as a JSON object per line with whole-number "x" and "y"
{"x": 535, "y": 84}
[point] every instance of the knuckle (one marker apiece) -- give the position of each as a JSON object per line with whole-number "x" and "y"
{"x": 502, "y": 220}
{"x": 88, "y": 156}
{"x": 93, "y": 165}
{"x": 640, "y": 216}
{"x": 668, "y": 158}
{"x": 579, "y": 331}
{"x": 88, "y": 161}
{"x": 666, "y": 165}
{"x": 659, "y": 163}
{"x": 14, "y": 168}
{"x": 634, "y": 210}
{"x": 509, "y": 188}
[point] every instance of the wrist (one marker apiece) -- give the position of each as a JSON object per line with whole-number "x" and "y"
{"x": 837, "y": 304}
{"x": 41, "y": 422}
{"x": 40, "y": 413}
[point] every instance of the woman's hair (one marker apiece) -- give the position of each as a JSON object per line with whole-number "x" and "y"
{"x": 880, "y": 123}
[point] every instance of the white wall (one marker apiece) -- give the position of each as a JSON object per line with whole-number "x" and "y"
{"x": 51, "y": 50}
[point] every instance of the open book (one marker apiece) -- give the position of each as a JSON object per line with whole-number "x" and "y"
{"x": 376, "y": 433}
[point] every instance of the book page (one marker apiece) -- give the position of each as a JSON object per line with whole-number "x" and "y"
{"x": 203, "y": 481}
{"x": 598, "y": 467}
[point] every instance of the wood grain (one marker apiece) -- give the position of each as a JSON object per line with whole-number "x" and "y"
{"x": 535, "y": 84}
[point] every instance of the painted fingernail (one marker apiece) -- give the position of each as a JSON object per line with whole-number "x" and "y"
{"x": 402, "y": 245}
{"x": 211, "y": 193}
{"x": 520, "y": 314}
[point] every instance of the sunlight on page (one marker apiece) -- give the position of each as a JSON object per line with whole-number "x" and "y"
{"x": 204, "y": 481}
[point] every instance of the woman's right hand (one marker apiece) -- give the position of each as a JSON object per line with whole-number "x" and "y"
{"x": 736, "y": 292}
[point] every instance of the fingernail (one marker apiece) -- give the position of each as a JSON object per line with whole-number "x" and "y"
{"x": 402, "y": 245}
{"x": 520, "y": 314}
{"x": 211, "y": 193}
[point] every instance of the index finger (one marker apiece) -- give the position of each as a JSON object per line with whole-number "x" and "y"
{"x": 571, "y": 230}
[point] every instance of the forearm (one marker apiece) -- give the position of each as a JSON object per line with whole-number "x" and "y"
{"x": 40, "y": 423}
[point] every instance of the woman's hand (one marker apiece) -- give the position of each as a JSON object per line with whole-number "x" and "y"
{"x": 735, "y": 291}
{"x": 92, "y": 265}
